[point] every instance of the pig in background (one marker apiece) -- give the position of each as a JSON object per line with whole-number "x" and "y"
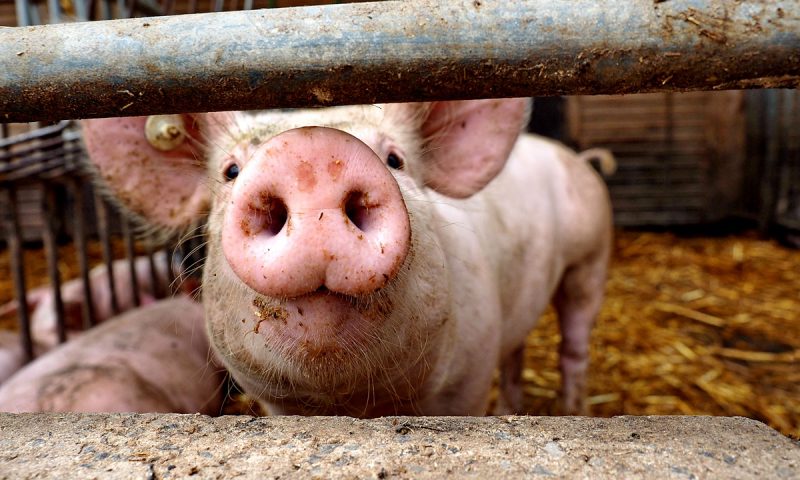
{"x": 372, "y": 260}
{"x": 41, "y": 304}
{"x": 151, "y": 359}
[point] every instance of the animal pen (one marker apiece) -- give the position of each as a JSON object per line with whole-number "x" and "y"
{"x": 696, "y": 138}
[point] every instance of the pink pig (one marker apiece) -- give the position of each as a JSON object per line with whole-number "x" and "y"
{"x": 41, "y": 301}
{"x": 150, "y": 359}
{"x": 374, "y": 260}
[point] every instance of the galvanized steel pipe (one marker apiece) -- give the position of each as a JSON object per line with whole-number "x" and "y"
{"x": 394, "y": 51}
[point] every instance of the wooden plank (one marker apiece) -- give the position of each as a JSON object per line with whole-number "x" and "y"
{"x": 671, "y": 190}
{"x": 636, "y": 219}
{"x": 654, "y": 121}
{"x": 594, "y": 138}
{"x": 654, "y": 182}
{"x": 633, "y": 150}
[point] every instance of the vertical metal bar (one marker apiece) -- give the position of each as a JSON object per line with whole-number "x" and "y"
{"x": 170, "y": 290}
{"x": 769, "y": 174}
{"x": 151, "y": 262}
{"x": 784, "y": 179}
{"x": 81, "y": 10}
{"x": 129, "y": 253}
{"x": 91, "y": 8}
{"x": 79, "y": 239}
{"x": 105, "y": 10}
{"x": 129, "y": 10}
{"x": 219, "y": 5}
{"x": 248, "y": 4}
{"x": 168, "y": 6}
{"x": 54, "y": 10}
{"x": 23, "y": 20}
{"x": 14, "y": 241}
{"x": 105, "y": 242}
{"x": 51, "y": 251}
{"x": 33, "y": 14}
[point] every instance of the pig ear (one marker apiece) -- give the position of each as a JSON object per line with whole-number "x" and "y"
{"x": 153, "y": 166}
{"x": 468, "y": 142}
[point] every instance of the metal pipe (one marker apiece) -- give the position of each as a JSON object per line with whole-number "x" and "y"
{"x": 8, "y": 197}
{"x": 105, "y": 10}
{"x": 151, "y": 263}
{"x": 50, "y": 210}
{"x": 394, "y": 51}
{"x": 79, "y": 238}
{"x": 171, "y": 287}
{"x": 770, "y": 175}
{"x": 54, "y": 11}
{"x": 130, "y": 254}
{"x": 23, "y": 19}
{"x": 81, "y": 10}
{"x": 101, "y": 213}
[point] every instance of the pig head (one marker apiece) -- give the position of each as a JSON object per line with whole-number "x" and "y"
{"x": 373, "y": 260}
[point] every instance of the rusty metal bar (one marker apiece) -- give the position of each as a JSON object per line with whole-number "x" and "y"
{"x": 105, "y": 241}
{"x": 81, "y": 10}
{"x": 8, "y": 196}
{"x": 151, "y": 263}
{"x": 79, "y": 238}
{"x": 394, "y": 51}
{"x": 50, "y": 210}
{"x": 127, "y": 234}
{"x": 54, "y": 11}
{"x": 171, "y": 287}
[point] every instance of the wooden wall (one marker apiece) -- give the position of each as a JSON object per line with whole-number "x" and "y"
{"x": 680, "y": 156}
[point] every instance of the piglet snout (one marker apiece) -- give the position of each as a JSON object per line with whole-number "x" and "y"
{"x": 315, "y": 207}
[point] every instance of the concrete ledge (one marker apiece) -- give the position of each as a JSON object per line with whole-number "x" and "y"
{"x": 174, "y": 446}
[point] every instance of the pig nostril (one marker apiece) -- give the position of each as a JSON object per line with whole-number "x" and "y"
{"x": 356, "y": 207}
{"x": 276, "y": 215}
{"x": 268, "y": 217}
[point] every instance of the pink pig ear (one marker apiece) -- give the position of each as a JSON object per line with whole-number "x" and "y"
{"x": 467, "y": 143}
{"x": 160, "y": 176}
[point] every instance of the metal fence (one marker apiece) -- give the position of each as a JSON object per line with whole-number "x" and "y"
{"x": 394, "y": 51}
{"x": 339, "y": 54}
{"x": 47, "y": 199}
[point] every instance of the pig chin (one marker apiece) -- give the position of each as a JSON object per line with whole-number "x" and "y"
{"x": 320, "y": 324}
{"x": 319, "y": 343}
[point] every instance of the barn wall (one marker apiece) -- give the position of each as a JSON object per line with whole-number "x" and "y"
{"x": 680, "y": 155}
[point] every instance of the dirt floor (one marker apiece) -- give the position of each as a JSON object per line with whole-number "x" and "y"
{"x": 690, "y": 326}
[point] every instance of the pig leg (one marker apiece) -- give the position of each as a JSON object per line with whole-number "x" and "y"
{"x": 578, "y": 301}
{"x": 509, "y": 401}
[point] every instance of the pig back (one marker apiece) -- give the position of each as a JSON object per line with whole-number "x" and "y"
{"x": 544, "y": 212}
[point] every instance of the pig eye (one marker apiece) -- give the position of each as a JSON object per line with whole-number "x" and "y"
{"x": 232, "y": 172}
{"x": 394, "y": 161}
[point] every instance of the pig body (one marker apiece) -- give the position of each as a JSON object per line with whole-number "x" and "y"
{"x": 12, "y": 357}
{"x": 151, "y": 359}
{"x": 44, "y": 328}
{"x": 332, "y": 287}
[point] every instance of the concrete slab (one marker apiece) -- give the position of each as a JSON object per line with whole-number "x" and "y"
{"x": 159, "y": 446}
